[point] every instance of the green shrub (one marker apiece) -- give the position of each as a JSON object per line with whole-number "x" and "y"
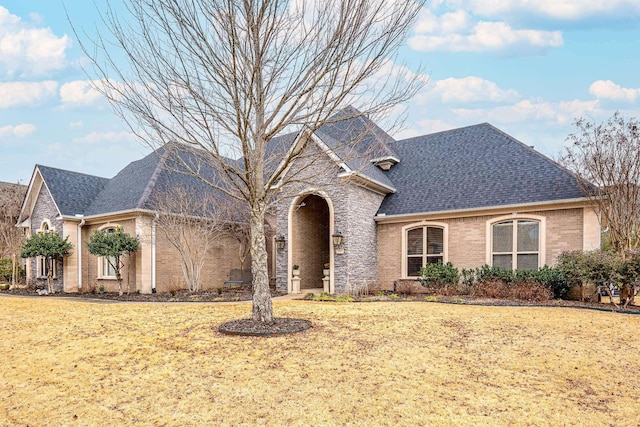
{"x": 438, "y": 275}
{"x": 6, "y": 267}
{"x": 489, "y": 273}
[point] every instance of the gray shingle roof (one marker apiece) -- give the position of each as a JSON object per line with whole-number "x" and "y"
{"x": 472, "y": 167}
{"x": 357, "y": 140}
{"x": 127, "y": 189}
{"x": 73, "y": 192}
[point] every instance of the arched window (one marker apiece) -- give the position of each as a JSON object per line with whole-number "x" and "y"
{"x": 424, "y": 245}
{"x": 515, "y": 244}
{"x": 42, "y": 266}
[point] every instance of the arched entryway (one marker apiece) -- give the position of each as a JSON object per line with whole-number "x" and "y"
{"x": 310, "y": 237}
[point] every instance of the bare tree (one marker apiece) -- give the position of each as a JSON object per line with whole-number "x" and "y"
{"x": 606, "y": 159}
{"x": 227, "y": 76}
{"x": 192, "y": 225}
{"x": 11, "y": 237}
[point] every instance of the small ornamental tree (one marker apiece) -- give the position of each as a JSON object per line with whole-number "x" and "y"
{"x": 113, "y": 244}
{"x": 50, "y": 246}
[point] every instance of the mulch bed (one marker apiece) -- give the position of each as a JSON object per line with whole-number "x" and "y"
{"x": 280, "y": 326}
{"x": 227, "y": 295}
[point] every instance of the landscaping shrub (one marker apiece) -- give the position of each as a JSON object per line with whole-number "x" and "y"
{"x": 439, "y": 277}
{"x": 6, "y": 266}
{"x": 530, "y": 291}
{"x": 605, "y": 269}
{"x": 494, "y": 288}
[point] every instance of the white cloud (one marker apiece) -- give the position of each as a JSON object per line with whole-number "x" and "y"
{"x": 554, "y": 9}
{"x": 606, "y": 89}
{"x": 28, "y": 51}
{"x": 76, "y": 125}
{"x": 457, "y": 31}
{"x": 468, "y": 89}
{"x": 563, "y": 112}
{"x": 79, "y": 93}
{"x": 95, "y": 137}
{"x": 18, "y": 131}
{"x": 26, "y": 94}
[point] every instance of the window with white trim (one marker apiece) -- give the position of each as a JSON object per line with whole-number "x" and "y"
{"x": 107, "y": 270}
{"x": 42, "y": 265}
{"x": 515, "y": 244}
{"x": 425, "y": 245}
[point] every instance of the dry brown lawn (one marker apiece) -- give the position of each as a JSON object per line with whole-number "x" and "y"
{"x": 68, "y": 363}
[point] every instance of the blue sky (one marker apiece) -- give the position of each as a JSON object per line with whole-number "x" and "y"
{"x": 527, "y": 67}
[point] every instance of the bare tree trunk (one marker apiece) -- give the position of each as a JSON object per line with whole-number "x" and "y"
{"x": 262, "y": 306}
{"x": 118, "y": 266}
{"x": 50, "y": 286}
{"x": 14, "y": 271}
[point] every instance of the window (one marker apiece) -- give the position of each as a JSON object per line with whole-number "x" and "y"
{"x": 425, "y": 245}
{"x": 106, "y": 270}
{"x": 516, "y": 244}
{"x": 42, "y": 266}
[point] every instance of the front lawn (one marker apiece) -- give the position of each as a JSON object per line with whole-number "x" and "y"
{"x": 66, "y": 362}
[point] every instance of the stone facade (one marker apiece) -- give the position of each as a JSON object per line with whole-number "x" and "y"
{"x": 45, "y": 209}
{"x": 351, "y": 213}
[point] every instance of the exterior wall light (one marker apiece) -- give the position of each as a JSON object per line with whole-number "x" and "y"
{"x": 337, "y": 239}
{"x": 280, "y": 241}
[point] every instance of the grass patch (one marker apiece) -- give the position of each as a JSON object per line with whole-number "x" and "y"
{"x": 90, "y": 364}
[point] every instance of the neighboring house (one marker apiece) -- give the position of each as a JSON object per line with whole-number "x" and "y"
{"x": 75, "y": 205}
{"x": 375, "y": 214}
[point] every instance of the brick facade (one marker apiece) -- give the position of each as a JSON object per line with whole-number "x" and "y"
{"x": 467, "y": 239}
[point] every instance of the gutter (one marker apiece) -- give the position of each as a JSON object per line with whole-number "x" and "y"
{"x": 79, "y": 249}
{"x": 545, "y": 205}
{"x": 153, "y": 253}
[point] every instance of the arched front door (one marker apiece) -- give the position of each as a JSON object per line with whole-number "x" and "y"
{"x": 311, "y": 240}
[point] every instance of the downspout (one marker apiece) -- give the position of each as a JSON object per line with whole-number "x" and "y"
{"x": 153, "y": 253}
{"x": 79, "y": 249}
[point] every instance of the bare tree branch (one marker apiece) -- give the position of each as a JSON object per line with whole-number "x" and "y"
{"x": 225, "y": 77}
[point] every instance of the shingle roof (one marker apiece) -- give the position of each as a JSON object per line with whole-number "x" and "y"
{"x": 472, "y": 167}
{"x": 73, "y": 192}
{"x": 127, "y": 189}
{"x": 357, "y": 140}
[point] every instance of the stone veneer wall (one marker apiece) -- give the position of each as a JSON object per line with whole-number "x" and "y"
{"x": 354, "y": 210}
{"x": 45, "y": 208}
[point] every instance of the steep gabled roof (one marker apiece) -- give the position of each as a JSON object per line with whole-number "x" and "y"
{"x": 72, "y": 192}
{"x": 472, "y": 167}
{"x": 357, "y": 140}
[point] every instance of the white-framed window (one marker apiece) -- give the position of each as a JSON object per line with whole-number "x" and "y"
{"x": 105, "y": 268}
{"x": 42, "y": 266}
{"x": 423, "y": 244}
{"x": 516, "y": 243}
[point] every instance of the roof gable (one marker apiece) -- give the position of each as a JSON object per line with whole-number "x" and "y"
{"x": 72, "y": 192}
{"x": 470, "y": 168}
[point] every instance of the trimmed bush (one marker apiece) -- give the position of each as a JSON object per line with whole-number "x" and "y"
{"x": 439, "y": 276}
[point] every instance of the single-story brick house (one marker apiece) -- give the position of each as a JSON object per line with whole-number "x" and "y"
{"x": 470, "y": 196}
{"x": 76, "y": 204}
